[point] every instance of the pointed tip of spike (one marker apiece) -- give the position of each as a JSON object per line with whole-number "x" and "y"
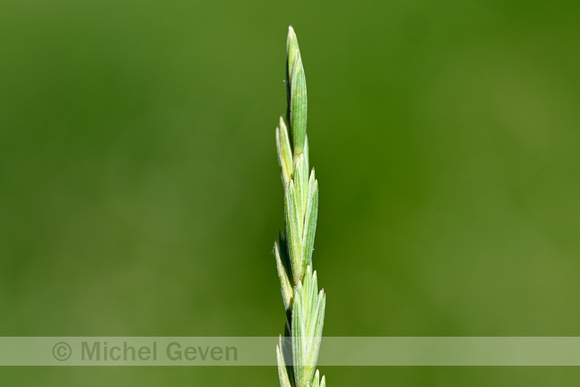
{"x": 291, "y": 32}
{"x": 291, "y": 36}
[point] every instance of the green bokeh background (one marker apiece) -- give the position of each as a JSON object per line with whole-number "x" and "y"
{"x": 140, "y": 194}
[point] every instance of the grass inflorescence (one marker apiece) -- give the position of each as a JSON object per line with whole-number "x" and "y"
{"x": 297, "y": 351}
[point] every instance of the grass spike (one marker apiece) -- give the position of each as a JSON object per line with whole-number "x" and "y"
{"x": 297, "y": 352}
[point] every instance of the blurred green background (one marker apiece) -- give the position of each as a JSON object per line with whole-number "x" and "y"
{"x": 140, "y": 194}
